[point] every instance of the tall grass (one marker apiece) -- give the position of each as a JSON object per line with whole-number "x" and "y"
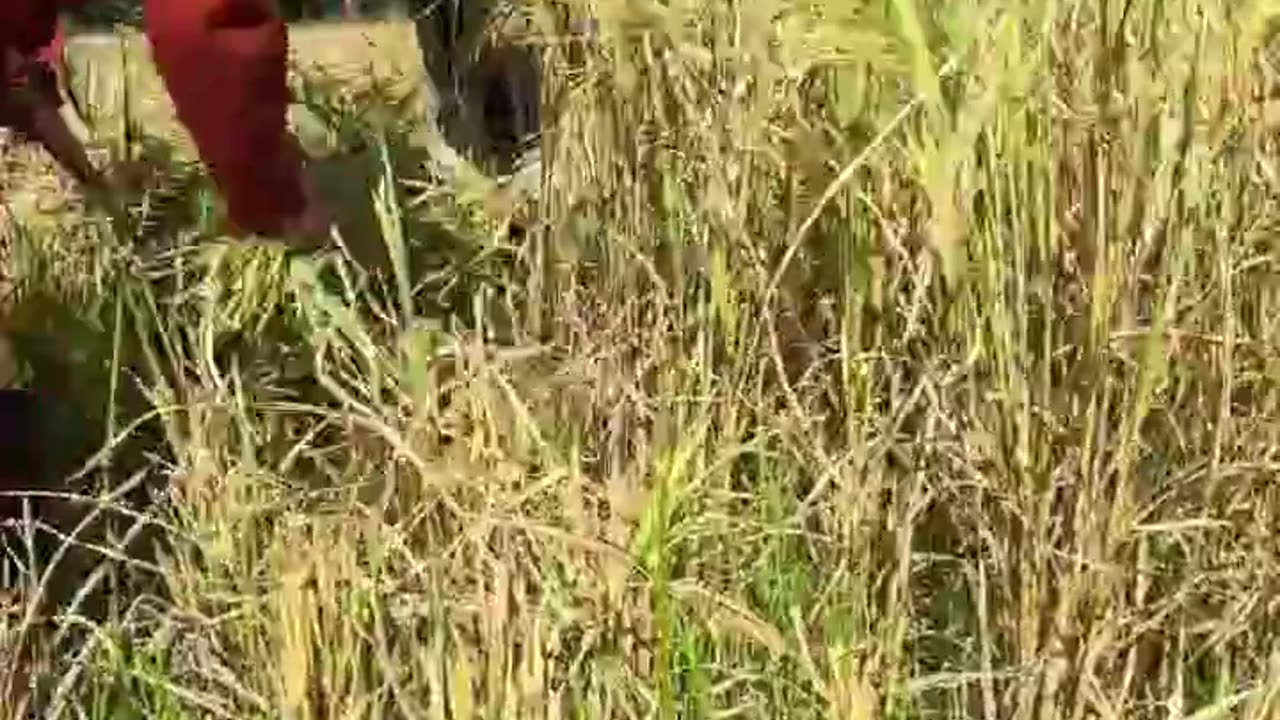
{"x": 858, "y": 359}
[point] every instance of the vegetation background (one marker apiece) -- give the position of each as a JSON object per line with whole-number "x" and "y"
{"x": 854, "y": 359}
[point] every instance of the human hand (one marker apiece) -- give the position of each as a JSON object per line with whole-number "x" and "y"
{"x": 120, "y": 179}
{"x": 311, "y": 229}
{"x": 130, "y": 178}
{"x": 115, "y": 185}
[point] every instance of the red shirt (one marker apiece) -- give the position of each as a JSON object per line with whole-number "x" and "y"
{"x": 224, "y": 65}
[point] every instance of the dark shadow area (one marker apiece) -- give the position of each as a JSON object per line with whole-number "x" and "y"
{"x": 489, "y": 102}
{"x": 441, "y": 263}
{"x": 348, "y": 182}
{"x": 55, "y": 428}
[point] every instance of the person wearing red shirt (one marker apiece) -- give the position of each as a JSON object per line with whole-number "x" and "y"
{"x": 223, "y": 63}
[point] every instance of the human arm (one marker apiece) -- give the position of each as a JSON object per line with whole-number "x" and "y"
{"x": 46, "y": 124}
{"x": 31, "y": 104}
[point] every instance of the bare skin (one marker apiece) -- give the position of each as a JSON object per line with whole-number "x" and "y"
{"x": 46, "y": 126}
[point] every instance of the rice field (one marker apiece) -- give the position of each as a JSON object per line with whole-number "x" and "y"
{"x": 903, "y": 359}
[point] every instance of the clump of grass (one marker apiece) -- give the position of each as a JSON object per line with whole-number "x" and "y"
{"x": 898, "y": 359}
